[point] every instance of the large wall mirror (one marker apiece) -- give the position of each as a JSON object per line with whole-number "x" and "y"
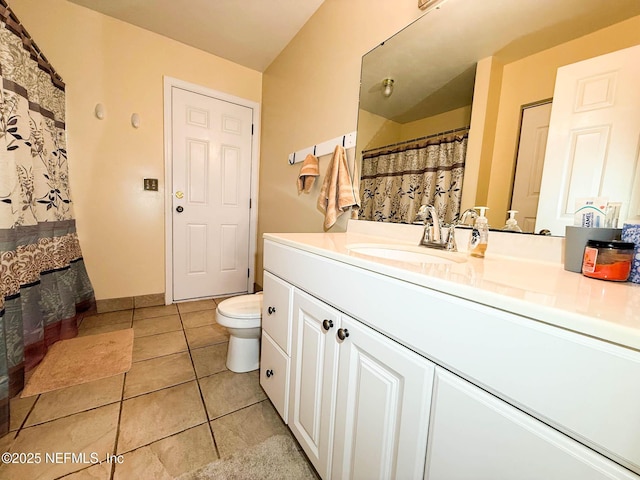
{"x": 461, "y": 79}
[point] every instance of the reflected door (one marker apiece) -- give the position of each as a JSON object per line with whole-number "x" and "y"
{"x": 529, "y": 165}
{"x": 211, "y": 150}
{"x": 594, "y": 133}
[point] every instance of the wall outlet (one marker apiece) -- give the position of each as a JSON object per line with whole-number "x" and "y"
{"x": 151, "y": 184}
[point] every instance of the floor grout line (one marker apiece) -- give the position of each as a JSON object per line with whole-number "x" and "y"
{"x": 115, "y": 442}
{"x": 204, "y": 403}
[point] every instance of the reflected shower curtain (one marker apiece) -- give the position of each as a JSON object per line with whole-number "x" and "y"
{"x": 44, "y": 287}
{"x": 396, "y": 180}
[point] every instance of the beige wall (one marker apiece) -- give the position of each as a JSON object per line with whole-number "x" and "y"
{"x": 530, "y": 80}
{"x": 451, "y": 120}
{"x": 310, "y": 94}
{"x": 103, "y": 60}
{"x": 375, "y": 131}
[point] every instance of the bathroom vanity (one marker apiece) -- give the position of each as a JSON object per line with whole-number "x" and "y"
{"x": 450, "y": 367}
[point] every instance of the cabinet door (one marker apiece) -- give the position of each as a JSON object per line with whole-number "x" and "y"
{"x": 276, "y": 310}
{"x": 382, "y": 411}
{"x": 313, "y": 377}
{"x": 476, "y": 436}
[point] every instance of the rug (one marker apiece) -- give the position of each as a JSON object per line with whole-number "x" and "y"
{"x": 81, "y": 360}
{"x": 277, "y": 458}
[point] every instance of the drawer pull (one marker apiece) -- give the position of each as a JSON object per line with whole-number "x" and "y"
{"x": 271, "y": 310}
{"x": 327, "y": 324}
{"x": 269, "y": 373}
{"x": 343, "y": 333}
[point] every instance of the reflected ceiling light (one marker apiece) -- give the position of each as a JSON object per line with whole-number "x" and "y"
{"x": 387, "y": 87}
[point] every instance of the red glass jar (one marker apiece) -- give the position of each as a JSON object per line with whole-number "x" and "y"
{"x": 608, "y": 260}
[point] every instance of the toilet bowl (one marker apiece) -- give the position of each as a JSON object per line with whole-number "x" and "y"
{"x": 241, "y": 316}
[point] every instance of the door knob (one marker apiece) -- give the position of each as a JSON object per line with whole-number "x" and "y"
{"x": 327, "y": 324}
{"x": 180, "y": 209}
{"x": 343, "y": 333}
{"x": 269, "y": 373}
{"x": 271, "y": 310}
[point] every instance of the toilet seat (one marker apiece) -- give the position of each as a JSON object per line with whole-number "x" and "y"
{"x": 242, "y": 307}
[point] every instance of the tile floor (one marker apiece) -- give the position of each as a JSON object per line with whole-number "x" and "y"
{"x": 176, "y": 410}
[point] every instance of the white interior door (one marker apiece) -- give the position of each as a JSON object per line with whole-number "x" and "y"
{"x": 594, "y": 133}
{"x": 211, "y": 172}
{"x": 530, "y": 163}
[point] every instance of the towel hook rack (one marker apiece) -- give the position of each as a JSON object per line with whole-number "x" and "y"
{"x": 348, "y": 141}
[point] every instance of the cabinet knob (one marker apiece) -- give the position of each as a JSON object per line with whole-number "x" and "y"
{"x": 343, "y": 333}
{"x": 269, "y": 373}
{"x": 271, "y": 310}
{"x": 327, "y": 324}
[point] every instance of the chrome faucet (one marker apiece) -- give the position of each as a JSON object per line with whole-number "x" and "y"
{"x": 441, "y": 236}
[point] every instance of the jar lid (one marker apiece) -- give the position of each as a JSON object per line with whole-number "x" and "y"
{"x": 611, "y": 244}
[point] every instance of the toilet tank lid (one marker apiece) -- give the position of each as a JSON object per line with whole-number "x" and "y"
{"x": 242, "y": 306}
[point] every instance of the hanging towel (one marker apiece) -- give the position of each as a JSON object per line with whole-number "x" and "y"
{"x": 337, "y": 194}
{"x": 308, "y": 173}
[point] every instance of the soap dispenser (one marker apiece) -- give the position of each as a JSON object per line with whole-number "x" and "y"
{"x": 512, "y": 223}
{"x": 479, "y": 235}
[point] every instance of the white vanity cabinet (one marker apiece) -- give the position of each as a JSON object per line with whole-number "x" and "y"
{"x": 276, "y": 342}
{"x": 382, "y": 407}
{"x": 359, "y": 402}
{"x": 428, "y": 385}
{"x": 475, "y": 436}
{"x": 313, "y": 378}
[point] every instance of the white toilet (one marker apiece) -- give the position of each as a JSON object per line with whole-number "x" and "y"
{"x": 241, "y": 316}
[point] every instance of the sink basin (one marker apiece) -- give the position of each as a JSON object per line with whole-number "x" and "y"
{"x": 405, "y": 253}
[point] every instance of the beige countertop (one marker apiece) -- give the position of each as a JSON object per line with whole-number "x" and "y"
{"x": 540, "y": 290}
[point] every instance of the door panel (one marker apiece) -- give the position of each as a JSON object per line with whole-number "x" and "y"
{"x": 211, "y": 161}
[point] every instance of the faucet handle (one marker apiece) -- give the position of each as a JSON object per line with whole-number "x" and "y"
{"x": 468, "y": 212}
{"x": 451, "y": 239}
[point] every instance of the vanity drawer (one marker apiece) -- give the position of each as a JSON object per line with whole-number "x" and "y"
{"x": 274, "y": 374}
{"x": 276, "y": 310}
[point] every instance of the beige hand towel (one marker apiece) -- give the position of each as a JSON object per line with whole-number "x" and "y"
{"x": 337, "y": 194}
{"x": 308, "y": 173}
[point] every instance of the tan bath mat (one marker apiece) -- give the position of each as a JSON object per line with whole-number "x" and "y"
{"x": 81, "y": 360}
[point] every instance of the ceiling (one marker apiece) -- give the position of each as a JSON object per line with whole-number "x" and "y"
{"x": 250, "y": 32}
{"x": 433, "y": 61}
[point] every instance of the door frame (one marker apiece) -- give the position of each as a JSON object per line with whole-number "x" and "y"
{"x": 169, "y": 83}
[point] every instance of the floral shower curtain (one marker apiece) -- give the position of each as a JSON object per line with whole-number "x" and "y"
{"x": 44, "y": 287}
{"x": 396, "y": 180}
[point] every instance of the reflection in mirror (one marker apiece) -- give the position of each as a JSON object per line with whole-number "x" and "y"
{"x": 476, "y": 64}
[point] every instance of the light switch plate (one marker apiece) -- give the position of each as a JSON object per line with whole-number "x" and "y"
{"x": 151, "y": 184}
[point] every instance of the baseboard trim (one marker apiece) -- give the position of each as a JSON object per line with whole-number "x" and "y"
{"x": 127, "y": 303}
